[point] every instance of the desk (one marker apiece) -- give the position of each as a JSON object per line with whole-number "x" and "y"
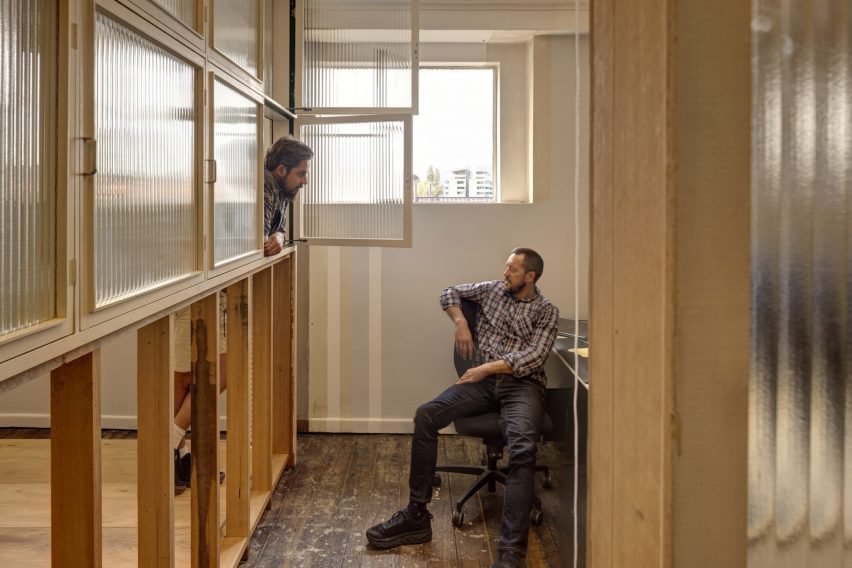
{"x": 561, "y": 381}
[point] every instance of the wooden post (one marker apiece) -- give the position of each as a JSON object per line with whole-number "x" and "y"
{"x": 238, "y": 497}
{"x": 205, "y": 433}
{"x": 155, "y": 403}
{"x": 75, "y": 463}
{"x": 283, "y": 417}
{"x": 261, "y": 337}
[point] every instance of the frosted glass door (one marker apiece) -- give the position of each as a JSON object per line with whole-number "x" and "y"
{"x": 358, "y": 187}
{"x": 28, "y": 76}
{"x": 359, "y": 55}
{"x": 145, "y": 196}
{"x": 235, "y": 191}
{"x": 236, "y": 32}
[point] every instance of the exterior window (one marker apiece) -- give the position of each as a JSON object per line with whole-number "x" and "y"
{"x": 455, "y": 136}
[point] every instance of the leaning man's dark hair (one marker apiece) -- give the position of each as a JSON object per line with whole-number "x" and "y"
{"x": 287, "y": 152}
{"x": 532, "y": 261}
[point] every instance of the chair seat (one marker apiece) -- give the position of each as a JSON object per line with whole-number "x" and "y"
{"x": 488, "y": 425}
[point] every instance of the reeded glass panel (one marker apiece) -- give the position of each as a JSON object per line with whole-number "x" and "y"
{"x": 267, "y": 47}
{"x": 357, "y": 180}
{"x": 28, "y": 76}
{"x": 235, "y": 194}
{"x": 144, "y": 199}
{"x": 235, "y": 32}
{"x": 357, "y": 55}
{"x": 183, "y": 10}
{"x": 800, "y": 405}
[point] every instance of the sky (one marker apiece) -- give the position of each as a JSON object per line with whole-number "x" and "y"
{"x": 454, "y": 128}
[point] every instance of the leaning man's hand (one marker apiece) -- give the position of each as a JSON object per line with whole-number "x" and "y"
{"x": 271, "y": 246}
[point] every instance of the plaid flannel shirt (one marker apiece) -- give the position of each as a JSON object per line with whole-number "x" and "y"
{"x": 520, "y": 332}
{"x": 274, "y": 206}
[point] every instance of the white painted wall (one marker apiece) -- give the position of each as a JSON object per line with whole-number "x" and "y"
{"x": 379, "y": 343}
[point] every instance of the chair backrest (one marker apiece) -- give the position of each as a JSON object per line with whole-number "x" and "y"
{"x": 470, "y": 309}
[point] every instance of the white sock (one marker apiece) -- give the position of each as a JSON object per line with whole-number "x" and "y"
{"x": 178, "y": 434}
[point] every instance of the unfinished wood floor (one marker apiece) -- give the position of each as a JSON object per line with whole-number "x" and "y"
{"x": 341, "y": 485}
{"x": 345, "y": 483}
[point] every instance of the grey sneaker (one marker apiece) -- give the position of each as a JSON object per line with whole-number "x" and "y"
{"x": 401, "y": 528}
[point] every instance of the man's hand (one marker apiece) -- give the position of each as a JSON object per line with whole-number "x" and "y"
{"x": 474, "y": 375}
{"x": 464, "y": 340}
{"x": 272, "y": 245}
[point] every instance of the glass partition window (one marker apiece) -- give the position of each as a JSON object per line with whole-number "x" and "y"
{"x": 800, "y": 392}
{"x": 28, "y": 76}
{"x": 358, "y": 176}
{"x": 236, "y": 154}
{"x": 369, "y": 48}
{"x": 144, "y": 198}
{"x": 236, "y": 32}
{"x": 183, "y": 10}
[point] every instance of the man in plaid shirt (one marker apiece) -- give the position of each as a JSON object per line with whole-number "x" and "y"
{"x": 516, "y": 327}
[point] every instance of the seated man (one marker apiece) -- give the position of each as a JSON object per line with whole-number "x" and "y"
{"x": 516, "y": 330}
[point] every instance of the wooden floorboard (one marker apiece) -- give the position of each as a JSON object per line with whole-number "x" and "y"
{"x": 345, "y": 483}
{"x": 321, "y": 507}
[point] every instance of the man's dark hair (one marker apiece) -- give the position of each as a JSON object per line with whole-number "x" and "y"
{"x": 287, "y": 152}
{"x": 532, "y": 261}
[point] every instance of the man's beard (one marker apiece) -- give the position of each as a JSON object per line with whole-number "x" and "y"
{"x": 513, "y": 289}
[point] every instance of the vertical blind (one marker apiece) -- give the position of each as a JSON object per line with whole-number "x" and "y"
{"x": 28, "y": 76}
{"x": 800, "y": 406}
{"x": 235, "y": 193}
{"x": 357, "y": 54}
{"x": 144, "y": 198}
{"x": 357, "y": 187}
{"x": 236, "y": 32}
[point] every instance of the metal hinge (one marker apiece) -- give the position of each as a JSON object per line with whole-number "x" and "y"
{"x": 72, "y": 272}
{"x": 73, "y": 36}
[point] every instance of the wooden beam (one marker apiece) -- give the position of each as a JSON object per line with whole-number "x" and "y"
{"x": 205, "y": 433}
{"x": 155, "y": 463}
{"x": 283, "y": 415}
{"x": 630, "y": 422}
{"x": 75, "y": 463}
{"x": 261, "y": 338}
{"x": 237, "y": 489}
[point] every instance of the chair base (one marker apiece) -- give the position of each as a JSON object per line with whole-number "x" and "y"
{"x": 489, "y": 474}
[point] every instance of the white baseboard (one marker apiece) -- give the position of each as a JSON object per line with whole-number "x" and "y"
{"x": 108, "y": 422}
{"x": 366, "y": 425}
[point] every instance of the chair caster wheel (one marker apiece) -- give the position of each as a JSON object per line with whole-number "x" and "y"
{"x": 436, "y": 481}
{"x": 548, "y": 482}
{"x": 536, "y": 517}
{"x": 458, "y": 518}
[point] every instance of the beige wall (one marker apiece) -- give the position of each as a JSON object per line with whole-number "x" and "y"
{"x": 379, "y": 343}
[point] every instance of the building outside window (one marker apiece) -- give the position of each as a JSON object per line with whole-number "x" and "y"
{"x": 455, "y": 136}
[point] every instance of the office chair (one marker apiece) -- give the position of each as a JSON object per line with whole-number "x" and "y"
{"x": 487, "y": 427}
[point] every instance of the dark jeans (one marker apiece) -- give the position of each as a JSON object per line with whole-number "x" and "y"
{"x": 520, "y": 403}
